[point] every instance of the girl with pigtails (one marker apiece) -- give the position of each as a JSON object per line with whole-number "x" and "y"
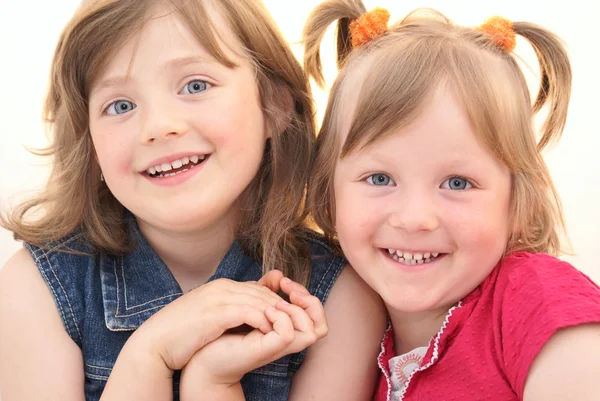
{"x": 430, "y": 175}
{"x": 154, "y": 260}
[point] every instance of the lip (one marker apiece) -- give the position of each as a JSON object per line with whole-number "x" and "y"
{"x": 172, "y": 158}
{"x": 178, "y": 178}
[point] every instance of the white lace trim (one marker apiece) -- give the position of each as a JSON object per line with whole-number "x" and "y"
{"x": 386, "y": 372}
{"x": 434, "y": 357}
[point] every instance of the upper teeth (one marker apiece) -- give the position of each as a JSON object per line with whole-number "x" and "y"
{"x": 175, "y": 164}
{"x": 410, "y": 256}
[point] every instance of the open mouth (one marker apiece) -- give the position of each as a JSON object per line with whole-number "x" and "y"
{"x": 411, "y": 259}
{"x": 176, "y": 167}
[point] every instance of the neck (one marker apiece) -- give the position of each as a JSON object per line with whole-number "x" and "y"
{"x": 415, "y": 329}
{"x": 191, "y": 256}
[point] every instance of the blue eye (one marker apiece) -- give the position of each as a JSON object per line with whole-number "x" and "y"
{"x": 380, "y": 179}
{"x": 120, "y": 107}
{"x": 456, "y": 184}
{"x": 195, "y": 86}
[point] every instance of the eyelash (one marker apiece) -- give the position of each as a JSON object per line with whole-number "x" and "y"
{"x": 207, "y": 84}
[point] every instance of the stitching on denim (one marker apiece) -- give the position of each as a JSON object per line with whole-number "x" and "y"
{"x": 145, "y": 303}
{"x": 97, "y": 377}
{"x": 65, "y": 294}
{"x": 98, "y": 367}
{"x": 269, "y": 373}
{"x": 56, "y": 247}
{"x": 60, "y": 307}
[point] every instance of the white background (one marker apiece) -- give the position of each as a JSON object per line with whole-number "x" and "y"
{"x": 29, "y": 30}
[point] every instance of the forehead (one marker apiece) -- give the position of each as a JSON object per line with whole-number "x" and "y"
{"x": 165, "y": 35}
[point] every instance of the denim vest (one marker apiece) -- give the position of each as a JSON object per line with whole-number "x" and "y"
{"x": 102, "y": 299}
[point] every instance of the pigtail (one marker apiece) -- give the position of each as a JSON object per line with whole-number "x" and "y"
{"x": 342, "y": 11}
{"x": 555, "y": 82}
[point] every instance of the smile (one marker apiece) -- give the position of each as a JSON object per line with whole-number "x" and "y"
{"x": 176, "y": 166}
{"x": 409, "y": 259}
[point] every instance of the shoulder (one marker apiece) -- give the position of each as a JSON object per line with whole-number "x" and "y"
{"x": 537, "y": 296}
{"x": 539, "y": 275}
{"x": 26, "y": 310}
{"x": 554, "y": 375}
{"x": 64, "y": 266}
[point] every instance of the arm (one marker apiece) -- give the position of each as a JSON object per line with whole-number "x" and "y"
{"x": 343, "y": 365}
{"x": 38, "y": 360}
{"x": 567, "y": 368}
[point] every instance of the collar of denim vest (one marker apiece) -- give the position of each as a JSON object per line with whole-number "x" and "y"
{"x": 138, "y": 284}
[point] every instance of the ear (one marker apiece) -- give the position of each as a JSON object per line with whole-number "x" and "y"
{"x": 279, "y": 108}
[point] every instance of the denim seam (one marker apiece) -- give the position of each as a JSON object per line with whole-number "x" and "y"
{"x": 269, "y": 373}
{"x": 58, "y": 302}
{"x": 65, "y": 294}
{"x": 97, "y": 367}
{"x": 55, "y": 247}
{"x": 97, "y": 377}
{"x": 125, "y": 292}
{"x": 117, "y": 314}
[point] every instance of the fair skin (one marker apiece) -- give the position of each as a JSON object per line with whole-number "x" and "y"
{"x": 146, "y": 109}
{"x": 432, "y": 191}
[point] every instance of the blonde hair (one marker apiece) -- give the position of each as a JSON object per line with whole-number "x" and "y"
{"x": 272, "y": 226}
{"x": 395, "y": 74}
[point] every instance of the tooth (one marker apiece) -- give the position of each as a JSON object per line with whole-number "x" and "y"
{"x": 418, "y": 256}
{"x": 202, "y": 157}
{"x": 158, "y": 169}
{"x": 427, "y": 260}
{"x": 401, "y": 260}
{"x": 177, "y": 164}
{"x": 185, "y": 160}
{"x": 413, "y": 262}
{"x": 194, "y": 159}
{"x": 408, "y": 255}
{"x": 391, "y": 251}
{"x": 420, "y": 261}
{"x": 426, "y": 255}
{"x": 399, "y": 253}
{"x": 166, "y": 167}
{"x": 395, "y": 257}
{"x": 435, "y": 254}
{"x": 152, "y": 170}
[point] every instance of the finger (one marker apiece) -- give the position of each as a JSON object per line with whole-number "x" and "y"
{"x": 314, "y": 309}
{"x": 283, "y": 326}
{"x": 272, "y": 280}
{"x": 257, "y": 290}
{"x": 232, "y": 316}
{"x": 300, "y": 319}
{"x": 288, "y": 285}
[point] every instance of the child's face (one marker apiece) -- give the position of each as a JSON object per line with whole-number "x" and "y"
{"x": 164, "y": 103}
{"x": 429, "y": 189}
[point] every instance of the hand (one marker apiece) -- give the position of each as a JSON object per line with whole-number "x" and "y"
{"x": 220, "y": 365}
{"x": 186, "y": 325}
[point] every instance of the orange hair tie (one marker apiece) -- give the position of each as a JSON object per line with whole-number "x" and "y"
{"x": 369, "y": 26}
{"x": 501, "y": 31}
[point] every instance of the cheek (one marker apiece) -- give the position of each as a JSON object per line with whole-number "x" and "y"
{"x": 113, "y": 151}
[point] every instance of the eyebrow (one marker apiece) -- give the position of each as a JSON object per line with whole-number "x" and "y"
{"x": 170, "y": 65}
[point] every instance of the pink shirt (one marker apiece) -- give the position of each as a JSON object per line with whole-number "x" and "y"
{"x": 489, "y": 341}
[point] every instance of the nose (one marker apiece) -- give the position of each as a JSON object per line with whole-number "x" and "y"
{"x": 162, "y": 120}
{"x": 414, "y": 212}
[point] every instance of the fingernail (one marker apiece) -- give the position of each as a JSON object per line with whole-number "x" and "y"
{"x": 287, "y": 281}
